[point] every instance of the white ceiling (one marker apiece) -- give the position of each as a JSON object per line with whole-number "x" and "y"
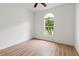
{"x": 30, "y": 6}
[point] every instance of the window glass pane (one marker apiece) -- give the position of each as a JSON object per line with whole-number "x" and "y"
{"x": 49, "y": 24}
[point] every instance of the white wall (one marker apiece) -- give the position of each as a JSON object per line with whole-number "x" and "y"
{"x": 16, "y": 25}
{"x": 77, "y": 28}
{"x": 64, "y": 24}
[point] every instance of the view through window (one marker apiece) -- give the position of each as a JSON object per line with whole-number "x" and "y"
{"x": 49, "y": 24}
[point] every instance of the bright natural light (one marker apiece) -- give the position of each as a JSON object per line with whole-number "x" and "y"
{"x": 49, "y": 15}
{"x": 49, "y": 24}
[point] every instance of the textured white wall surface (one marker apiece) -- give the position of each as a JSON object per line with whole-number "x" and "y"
{"x": 77, "y": 28}
{"x": 15, "y": 25}
{"x": 64, "y": 24}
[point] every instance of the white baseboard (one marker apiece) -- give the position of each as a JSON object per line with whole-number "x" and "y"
{"x": 56, "y": 42}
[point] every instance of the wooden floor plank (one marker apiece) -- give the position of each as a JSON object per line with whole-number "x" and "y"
{"x": 39, "y": 48}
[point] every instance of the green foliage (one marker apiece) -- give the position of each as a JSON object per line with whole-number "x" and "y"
{"x": 49, "y": 25}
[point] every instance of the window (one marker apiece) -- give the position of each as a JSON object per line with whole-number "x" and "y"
{"x": 49, "y": 24}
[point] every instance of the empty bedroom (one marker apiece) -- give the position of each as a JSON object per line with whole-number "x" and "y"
{"x": 39, "y": 29}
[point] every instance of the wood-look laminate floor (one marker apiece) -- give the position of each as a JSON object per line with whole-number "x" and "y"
{"x": 39, "y": 48}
